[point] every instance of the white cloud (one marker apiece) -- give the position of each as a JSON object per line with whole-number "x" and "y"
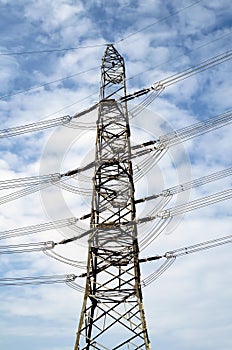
{"x": 9, "y": 72}
{"x": 188, "y": 305}
{"x": 52, "y": 14}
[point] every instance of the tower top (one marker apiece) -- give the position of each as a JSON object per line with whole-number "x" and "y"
{"x": 112, "y": 73}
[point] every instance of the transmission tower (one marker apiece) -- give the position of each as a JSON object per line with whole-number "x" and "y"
{"x": 112, "y": 315}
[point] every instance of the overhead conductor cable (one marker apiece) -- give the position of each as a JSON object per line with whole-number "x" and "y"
{"x": 173, "y": 254}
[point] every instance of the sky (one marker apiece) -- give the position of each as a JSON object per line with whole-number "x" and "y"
{"x": 50, "y": 56}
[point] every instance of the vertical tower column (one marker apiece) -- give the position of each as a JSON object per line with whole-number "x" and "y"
{"x": 112, "y": 315}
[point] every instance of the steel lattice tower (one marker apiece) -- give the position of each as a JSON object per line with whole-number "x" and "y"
{"x": 112, "y": 315}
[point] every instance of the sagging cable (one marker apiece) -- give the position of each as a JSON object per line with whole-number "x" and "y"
{"x": 42, "y": 125}
{"x": 26, "y": 247}
{"x": 177, "y": 77}
{"x": 36, "y": 280}
{"x": 173, "y": 254}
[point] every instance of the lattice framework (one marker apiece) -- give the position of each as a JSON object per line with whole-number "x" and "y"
{"x": 112, "y": 315}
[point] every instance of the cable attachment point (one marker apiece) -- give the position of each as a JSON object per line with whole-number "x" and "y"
{"x": 66, "y": 119}
{"x": 157, "y": 86}
{"x": 70, "y": 278}
{"x": 164, "y": 214}
{"x": 169, "y": 255}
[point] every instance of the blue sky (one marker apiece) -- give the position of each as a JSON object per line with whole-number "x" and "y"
{"x": 188, "y": 308}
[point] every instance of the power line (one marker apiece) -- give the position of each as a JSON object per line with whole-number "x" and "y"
{"x": 43, "y": 179}
{"x": 71, "y": 281}
{"x": 29, "y": 181}
{"x": 124, "y": 268}
{"x": 63, "y": 259}
{"x": 188, "y": 185}
{"x": 41, "y": 182}
{"x": 36, "y": 280}
{"x": 49, "y": 83}
{"x": 71, "y": 105}
{"x": 198, "y": 247}
{"x": 173, "y": 254}
{"x": 163, "y": 216}
{"x": 157, "y": 273}
{"x": 208, "y": 63}
{"x": 68, "y": 77}
{"x": 41, "y": 186}
{"x": 169, "y": 255}
{"x": 38, "y": 183}
{"x": 42, "y": 125}
{"x": 18, "y": 53}
{"x": 24, "y": 192}
{"x": 26, "y": 247}
{"x": 158, "y": 146}
{"x": 198, "y": 203}
{"x": 163, "y": 142}
{"x": 76, "y": 74}
{"x": 156, "y": 88}
{"x": 196, "y": 129}
{"x": 177, "y": 77}
{"x": 174, "y": 13}
{"x": 152, "y": 151}
{"x": 189, "y": 206}
{"x": 27, "y": 230}
{"x": 175, "y": 58}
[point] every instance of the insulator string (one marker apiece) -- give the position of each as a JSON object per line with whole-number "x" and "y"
{"x": 165, "y": 214}
{"x": 154, "y": 147}
{"x": 157, "y": 87}
{"x": 189, "y": 206}
{"x": 177, "y": 77}
{"x": 185, "y": 133}
{"x": 218, "y": 175}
